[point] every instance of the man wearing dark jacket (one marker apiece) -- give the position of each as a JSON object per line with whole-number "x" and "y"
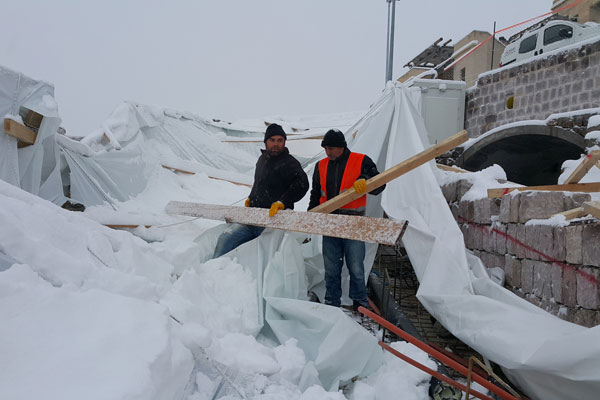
{"x": 279, "y": 182}
{"x": 342, "y": 170}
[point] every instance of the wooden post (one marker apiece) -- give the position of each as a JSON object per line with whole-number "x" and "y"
{"x": 588, "y": 163}
{"x": 573, "y": 187}
{"x": 394, "y": 172}
{"x": 19, "y": 131}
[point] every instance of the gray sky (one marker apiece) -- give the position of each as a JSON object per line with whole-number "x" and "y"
{"x": 229, "y": 59}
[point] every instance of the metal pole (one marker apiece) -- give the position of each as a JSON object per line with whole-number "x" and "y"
{"x": 387, "y": 45}
{"x": 390, "y": 49}
{"x": 493, "y": 43}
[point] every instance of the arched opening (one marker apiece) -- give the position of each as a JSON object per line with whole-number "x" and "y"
{"x": 529, "y": 154}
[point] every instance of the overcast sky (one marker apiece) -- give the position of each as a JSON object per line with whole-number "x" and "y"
{"x": 229, "y": 59}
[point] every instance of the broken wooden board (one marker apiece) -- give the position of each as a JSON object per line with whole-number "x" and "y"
{"x": 183, "y": 171}
{"x": 19, "y": 131}
{"x": 592, "y": 207}
{"x": 573, "y": 187}
{"x": 394, "y": 172}
{"x": 451, "y": 169}
{"x": 373, "y": 230}
{"x": 588, "y": 163}
{"x": 574, "y": 213}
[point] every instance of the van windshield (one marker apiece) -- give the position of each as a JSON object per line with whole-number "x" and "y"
{"x": 528, "y": 44}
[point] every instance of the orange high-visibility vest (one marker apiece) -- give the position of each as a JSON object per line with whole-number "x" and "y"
{"x": 351, "y": 174}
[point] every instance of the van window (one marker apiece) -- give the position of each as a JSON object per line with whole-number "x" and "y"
{"x": 556, "y": 33}
{"x": 528, "y": 44}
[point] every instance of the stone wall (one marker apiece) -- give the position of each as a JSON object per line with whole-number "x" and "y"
{"x": 561, "y": 82}
{"x": 554, "y": 267}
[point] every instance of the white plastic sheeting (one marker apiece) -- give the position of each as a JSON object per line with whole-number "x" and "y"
{"x": 547, "y": 357}
{"x": 138, "y": 139}
{"x": 34, "y": 168}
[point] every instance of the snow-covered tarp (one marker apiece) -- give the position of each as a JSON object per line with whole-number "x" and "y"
{"x": 34, "y": 168}
{"x": 547, "y": 357}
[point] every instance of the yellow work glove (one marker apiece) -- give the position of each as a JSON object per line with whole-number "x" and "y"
{"x": 276, "y": 207}
{"x": 360, "y": 186}
{"x": 247, "y": 202}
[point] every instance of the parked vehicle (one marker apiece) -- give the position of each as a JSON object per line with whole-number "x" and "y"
{"x": 553, "y": 35}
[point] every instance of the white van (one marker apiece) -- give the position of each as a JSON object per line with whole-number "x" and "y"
{"x": 553, "y": 35}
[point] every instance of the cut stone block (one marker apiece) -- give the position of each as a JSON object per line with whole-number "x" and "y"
{"x": 483, "y": 209}
{"x": 591, "y": 245}
{"x": 499, "y": 238}
{"x": 512, "y": 270}
{"x": 527, "y": 267}
{"x": 539, "y": 238}
{"x": 588, "y": 289}
{"x": 573, "y": 244}
{"x": 569, "y": 286}
{"x": 515, "y": 238}
{"x": 466, "y": 210}
{"x": 449, "y": 191}
{"x": 556, "y": 277}
{"x": 586, "y": 318}
{"x": 574, "y": 200}
{"x": 542, "y": 280}
{"x": 462, "y": 188}
{"x": 491, "y": 260}
{"x": 509, "y": 208}
{"x": 540, "y": 205}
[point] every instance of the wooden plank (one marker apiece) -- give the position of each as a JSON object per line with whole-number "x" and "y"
{"x": 121, "y": 226}
{"x": 183, "y": 171}
{"x": 451, "y": 169}
{"x": 19, "y": 131}
{"x": 394, "y": 172}
{"x": 592, "y": 207}
{"x": 374, "y": 230}
{"x": 574, "y": 213}
{"x": 588, "y": 163}
{"x": 573, "y": 187}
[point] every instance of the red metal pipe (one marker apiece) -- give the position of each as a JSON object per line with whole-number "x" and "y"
{"x": 432, "y": 372}
{"x": 436, "y": 354}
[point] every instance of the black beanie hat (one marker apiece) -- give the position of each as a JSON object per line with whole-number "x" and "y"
{"x": 274, "y": 130}
{"x": 334, "y": 138}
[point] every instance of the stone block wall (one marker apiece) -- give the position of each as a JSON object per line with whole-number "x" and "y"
{"x": 564, "y": 81}
{"x": 554, "y": 267}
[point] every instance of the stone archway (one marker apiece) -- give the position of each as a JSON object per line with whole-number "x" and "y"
{"x": 529, "y": 154}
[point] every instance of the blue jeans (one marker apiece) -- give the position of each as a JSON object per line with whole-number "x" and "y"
{"x": 334, "y": 252}
{"x": 235, "y": 235}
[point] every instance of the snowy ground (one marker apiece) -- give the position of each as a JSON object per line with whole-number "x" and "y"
{"x": 90, "y": 312}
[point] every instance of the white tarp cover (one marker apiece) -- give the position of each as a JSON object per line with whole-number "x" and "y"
{"x": 547, "y": 357}
{"x": 34, "y": 168}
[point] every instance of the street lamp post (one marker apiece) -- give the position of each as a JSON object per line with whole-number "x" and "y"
{"x": 389, "y": 57}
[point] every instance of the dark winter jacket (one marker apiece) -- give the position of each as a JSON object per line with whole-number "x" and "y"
{"x": 335, "y": 172}
{"x": 278, "y": 178}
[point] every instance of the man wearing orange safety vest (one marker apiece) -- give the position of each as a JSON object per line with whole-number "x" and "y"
{"x": 342, "y": 170}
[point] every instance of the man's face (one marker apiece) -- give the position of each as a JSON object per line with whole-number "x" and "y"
{"x": 333, "y": 152}
{"x": 275, "y": 145}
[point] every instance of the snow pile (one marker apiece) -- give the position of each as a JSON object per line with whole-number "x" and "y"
{"x": 488, "y": 178}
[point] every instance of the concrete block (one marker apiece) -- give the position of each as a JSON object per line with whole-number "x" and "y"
{"x": 542, "y": 280}
{"x": 466, "y": 211}
{"x": 512, "y": 270}
{"x": 499, "y": 236}
{"x": 556, "y": 278}
{"x": 588, "y": 288}
{"x": 590, "y": 250}
{"x": 509, "y": 209}
{"x": 491, "y": 260}
{"x": 539, "y": 205}
{"x": 573, "y": 244}
{"x": 449, "y": 191}
{"x": 569, "y": 286}
{"x": 527, "y": 267}
{"x": 586, "y": 318}
{"x": 483, "y": 209}
{"x": 515, "y": 239}
{"x": 463, "y": 187}
{"x": 539, "y": 238}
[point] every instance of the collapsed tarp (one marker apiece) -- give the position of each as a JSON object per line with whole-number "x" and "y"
{"x": 547, "y": 357}
{"x": 138, "y": 139}
{"x": 34, "y": 168}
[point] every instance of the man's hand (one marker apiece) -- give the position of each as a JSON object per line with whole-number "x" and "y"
{"x": 360, "y": 186}
{"x": 247, "y": 202}
{"x": 275, "y": 207}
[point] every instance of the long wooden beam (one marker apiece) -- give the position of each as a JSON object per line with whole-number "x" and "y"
{"x": 450, "y": 168}
{"x": 374, "y": 230}
{"x": 588, "y": 163}
{"x": 573, "y": 187}
{"x": 19, "y": 131}
{"x": 183, "y": 171}
{"x": 573, "y": 213}
{"x": 394, "y": 172}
